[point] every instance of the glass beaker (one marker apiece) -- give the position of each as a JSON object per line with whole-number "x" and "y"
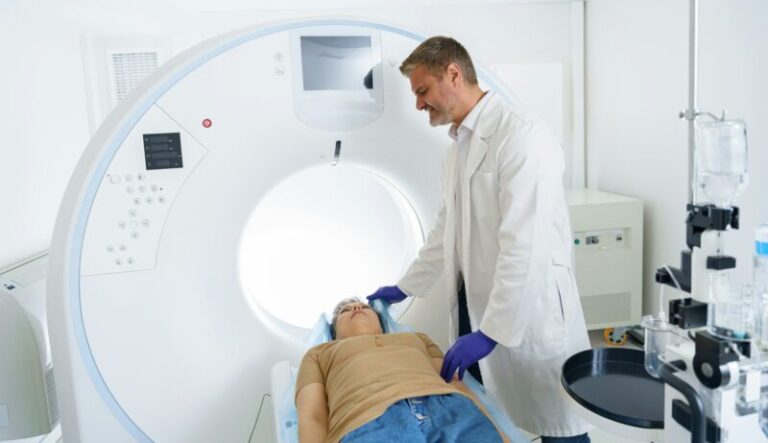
{"x": 721, "y": 160}
{"x": 658, "y": 334}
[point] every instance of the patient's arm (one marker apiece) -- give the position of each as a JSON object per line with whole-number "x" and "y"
{"x": 438, "y": 364}
{"x": 312, "y": 409}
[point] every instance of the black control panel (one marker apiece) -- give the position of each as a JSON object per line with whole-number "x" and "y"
{"x": 163, "y": 151}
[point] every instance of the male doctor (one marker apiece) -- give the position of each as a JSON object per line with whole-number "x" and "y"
{"x": 503, "y": 238}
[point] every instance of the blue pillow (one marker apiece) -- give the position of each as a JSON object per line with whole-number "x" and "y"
{"x": 322, "y": 332}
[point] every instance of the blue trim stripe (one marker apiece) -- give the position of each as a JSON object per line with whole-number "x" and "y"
{"x": 120, "y": 134}
{"x": 761, "y": 248}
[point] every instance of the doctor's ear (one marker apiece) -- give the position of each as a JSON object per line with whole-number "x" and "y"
{"x": 455, "y": 76}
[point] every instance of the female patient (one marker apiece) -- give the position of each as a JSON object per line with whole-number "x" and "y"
{"x": 367, "y": 386}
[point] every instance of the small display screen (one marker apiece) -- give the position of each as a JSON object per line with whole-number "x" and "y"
{"x": 163, "y": 151}
{"x": 336, "y": 62}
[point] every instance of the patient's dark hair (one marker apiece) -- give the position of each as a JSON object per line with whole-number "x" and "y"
{"x": 337, "y": 310}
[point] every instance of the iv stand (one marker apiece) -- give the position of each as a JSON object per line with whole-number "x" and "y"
{"x": 692, "y": 112}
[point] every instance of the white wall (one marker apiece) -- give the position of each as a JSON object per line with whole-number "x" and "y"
{"x": 42, "y": 135}
{"x": 637, "y": 81}
{"x": 43, "y": 100}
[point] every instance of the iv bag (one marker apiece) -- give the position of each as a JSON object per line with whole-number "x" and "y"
{"x": 721, "y": 161}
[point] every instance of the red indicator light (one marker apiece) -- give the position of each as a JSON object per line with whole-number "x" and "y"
{"x": 207, "y": 123}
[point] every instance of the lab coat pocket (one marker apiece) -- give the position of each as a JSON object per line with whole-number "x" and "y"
{"x": 561, "y": 280}
{"x": 484, "y": 195}
{"x": 575, "y": 330}
{"x": 558, "y": 292}
{"x": 546, "y": 329}
{"x": 561, "y": 270}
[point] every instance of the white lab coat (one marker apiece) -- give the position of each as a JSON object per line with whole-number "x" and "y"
{"x": 516, "y": 264}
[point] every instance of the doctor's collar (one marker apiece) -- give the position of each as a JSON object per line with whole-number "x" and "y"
{"x": 470, "y": 121}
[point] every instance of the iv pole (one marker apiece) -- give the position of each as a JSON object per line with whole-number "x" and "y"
{"x": 691, "y": 113}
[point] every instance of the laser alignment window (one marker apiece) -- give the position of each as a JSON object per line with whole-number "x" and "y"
{"x": 336, "y": 62}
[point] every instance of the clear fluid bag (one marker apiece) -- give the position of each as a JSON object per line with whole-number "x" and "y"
{"x": 721, "y": 161}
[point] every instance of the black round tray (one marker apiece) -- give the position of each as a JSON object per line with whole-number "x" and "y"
{"x": 613, "y": 383}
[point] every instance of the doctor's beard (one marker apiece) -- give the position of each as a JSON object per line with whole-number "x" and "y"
{"x": 438, "y": 117}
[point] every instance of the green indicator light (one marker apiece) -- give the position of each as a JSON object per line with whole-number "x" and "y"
{"x": 577, "y": 241}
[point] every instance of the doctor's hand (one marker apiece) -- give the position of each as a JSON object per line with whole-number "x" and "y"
{"x": 467, "y": 350}
{"x": 390, "y": 294}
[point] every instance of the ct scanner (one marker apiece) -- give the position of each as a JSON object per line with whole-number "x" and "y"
{"x": 249, "y": 184}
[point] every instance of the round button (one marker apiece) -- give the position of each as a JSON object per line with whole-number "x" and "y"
{"x": 129, "y": 189}
{"x": 122, "y": 247}
{"x": 145, "y": 222}
{"x": 155, "y": 188}
{"x": 119, "y": 262}
{"x": 137, "y": 201}
{"x": 129, "y": 260}
{"x": 134, "y": 234}
{"x": 114, "y": 179}
{"x": 128, "y": 177}
{"x": 148, "y": 200}
{"x": 132, "y": 212}
{"x": 110, "y": 248}
{"x": 280, "y": 71}
{"x": 161, "y": 199}
{"x": 141, "y": 177}
{"x": 121, "y": 224}
{"x": 142, "y": 189}
{"x": 278, "y": 57}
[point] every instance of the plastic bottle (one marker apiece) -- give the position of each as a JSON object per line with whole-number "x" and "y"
{"x": 760, "y": 282}
{"x": 760, "y": 278}
{"x": 760, "y": 270}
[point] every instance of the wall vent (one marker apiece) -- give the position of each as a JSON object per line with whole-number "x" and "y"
{"x": 113, "y": 65}
{"x": 128, "y": 69}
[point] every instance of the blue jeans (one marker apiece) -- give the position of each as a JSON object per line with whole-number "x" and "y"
{"x": 583, "y": 438}
{"x": 434, "y": 418}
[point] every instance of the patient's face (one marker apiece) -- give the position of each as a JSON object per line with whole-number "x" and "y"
{"x": 357, "y": 318}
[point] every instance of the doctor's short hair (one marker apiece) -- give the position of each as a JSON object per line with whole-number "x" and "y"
{"x": 436, "y": 53}
{"x": 340, "y": 306}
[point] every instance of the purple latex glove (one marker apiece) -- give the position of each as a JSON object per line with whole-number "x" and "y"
{"x": 390, "y": 294}
{"x": 467, "y": 350}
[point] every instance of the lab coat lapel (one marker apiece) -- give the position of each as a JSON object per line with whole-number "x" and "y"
{"x": 481, "y": 136}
